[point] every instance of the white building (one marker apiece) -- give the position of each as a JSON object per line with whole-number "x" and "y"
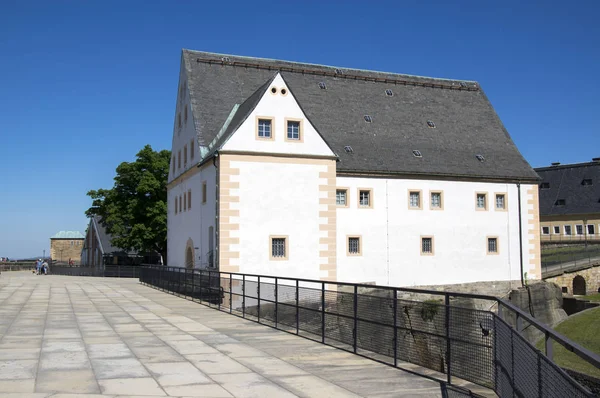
{"x": 309, "y": 171}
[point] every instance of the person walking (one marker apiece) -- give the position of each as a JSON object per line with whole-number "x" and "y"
{"x": 38, "y": 265}
{"x": 45, "y": 268}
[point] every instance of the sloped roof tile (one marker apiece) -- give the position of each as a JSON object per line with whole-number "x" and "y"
{"x": 466, "y": 123}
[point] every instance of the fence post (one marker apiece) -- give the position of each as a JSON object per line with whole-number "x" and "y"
{"x": 549, "y": 347}
{"x": 276, "y": 301}
{"x": 355, "y": 315}
{"x": 230, "y": 293}
{"x": 297, "y": 307}
{"x": 258, "y": 295}
{"x": 323, "y": 312}
{"x": 395, "y": 309}
{"x": 448, "y": 345}
{"x": 539, "y": 365}
{"x": 219, "y": 290}
{"x": 244, "y": 296}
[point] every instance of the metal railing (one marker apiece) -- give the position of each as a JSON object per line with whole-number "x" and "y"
{"x": 573, "y": 238}
{"x": 109, "y": 271}
{"x": 385, "y": 324}
{"x": 557, "y": 259}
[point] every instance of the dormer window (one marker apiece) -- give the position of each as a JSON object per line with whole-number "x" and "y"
{"x": 545, "y": 185}
{"x": 430, "y": 124}
{"x": 560, "y": 202}
{"x": 481, "y": 158}
{"x": 586, "y": 182}
{"x": 368, "y": 118}
{"x": 348, "y": 149}
{"x": 322, "y": 86}
{"x": 389, "y": 92}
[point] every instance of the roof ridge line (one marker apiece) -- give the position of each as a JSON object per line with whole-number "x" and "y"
{"x": 401, "y": 77}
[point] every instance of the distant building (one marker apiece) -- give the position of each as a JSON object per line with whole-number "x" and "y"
{"x": 66, "y": 245}
{"x": 570, "y": 202}
{"x": 310, "y": 171}
{"x": 99, "y": 251}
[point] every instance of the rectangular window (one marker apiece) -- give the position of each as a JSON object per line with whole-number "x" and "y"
{"x": 365, "y": 198}
{"x": 192, "y": 150}
{"x": 184, "y": 202}
{"x": 545, "y": 230}
{"x": 354, "y": 246}
{"x": 341, "y": 197}
{"x": 185, "y": 155}
{"x": 279, "y": 248}
{"x": 180, "y": 207}
{"x": 579, "y": 229}
{"x": 426, "y": 245}
{"x": 436, "y": 200}
{"x": 556, "y": 229}
{"x": 293, "y": 130}
{"x": 175, "y": 205}
{"x": 481, "y": 201}
{"x": 567, "y": 230}
{"x": 189, "y": 198}
{"x": 204, "y": 192}
{"x": 500, "y": 201}
{"x": 414, "y": 199}
{"x": 590, "y": 229}
{"x": 492, "y": 245}
{"x": 185, "y": 115}
{"x": 179, "y": 159}
{"x": 173, "y": 161}
{"x": 264, "y": 128}
{"x": 179, "y": 120}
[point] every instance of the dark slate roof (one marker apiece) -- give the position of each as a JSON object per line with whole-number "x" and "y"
{"x": 241, "y": 114}
{"x": 566, "y": 183}
{"x": 466, "y": 123}
{"x": 105, "y": 239}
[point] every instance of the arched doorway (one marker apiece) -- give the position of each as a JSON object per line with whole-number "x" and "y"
{"x": 579, "y": 286}
{"x": 189, "y": 258}
{"x": 189, "y": 254}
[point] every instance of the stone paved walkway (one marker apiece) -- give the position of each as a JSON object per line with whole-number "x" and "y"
{"x": 66, "y": 336}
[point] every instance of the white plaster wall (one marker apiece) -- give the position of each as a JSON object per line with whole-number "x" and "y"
{"x": 279, "y": 107}
{"x": 193, "y": 223}
{"x": 184, "y": 135}
{"x": 277, "y": 199}
{"x": 391, "y": 234}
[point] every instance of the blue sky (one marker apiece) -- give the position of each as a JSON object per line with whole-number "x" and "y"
{"x": 85, "y": 84}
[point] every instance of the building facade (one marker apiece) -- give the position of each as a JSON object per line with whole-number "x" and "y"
{"x": 98, "y": 250}
{"x": 570, "y": 202}
{"x": 65, "y": 246}
{"x": 308, "y": 171}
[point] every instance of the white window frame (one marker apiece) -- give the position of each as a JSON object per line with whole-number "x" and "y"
{"x": 547, "y": 229}
{"x": 570, "y": 230}
{"x": 577, "y": 229}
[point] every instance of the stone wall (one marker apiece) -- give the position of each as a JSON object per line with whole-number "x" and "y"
{"x": 590, "y": 275}
{"x": 63, "y": 249}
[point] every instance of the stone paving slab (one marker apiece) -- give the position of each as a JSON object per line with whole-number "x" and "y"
{"x": 69, "y": 337}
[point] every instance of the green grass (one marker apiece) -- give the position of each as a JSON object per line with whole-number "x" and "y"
{"x": 592, "y": 297}
{"x": 582, "y": 329}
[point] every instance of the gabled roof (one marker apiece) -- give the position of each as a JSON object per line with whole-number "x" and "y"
{"x": 68, "y": 235}
{"x": 241, "y": 114}
{"x": 566, "y": 182}
{"x": 465, "y": 122}
{"x": 105, "y": 238}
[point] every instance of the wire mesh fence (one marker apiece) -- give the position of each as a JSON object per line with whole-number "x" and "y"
{"x": 373, "y": 321}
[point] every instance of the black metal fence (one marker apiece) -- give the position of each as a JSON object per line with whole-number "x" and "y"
{"x": 560, "y": 258}
{"x": 112, "y": 271}
{"x": 444, "y": 332}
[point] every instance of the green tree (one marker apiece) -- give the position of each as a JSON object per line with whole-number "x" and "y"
{"x": 134, "y": 210}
